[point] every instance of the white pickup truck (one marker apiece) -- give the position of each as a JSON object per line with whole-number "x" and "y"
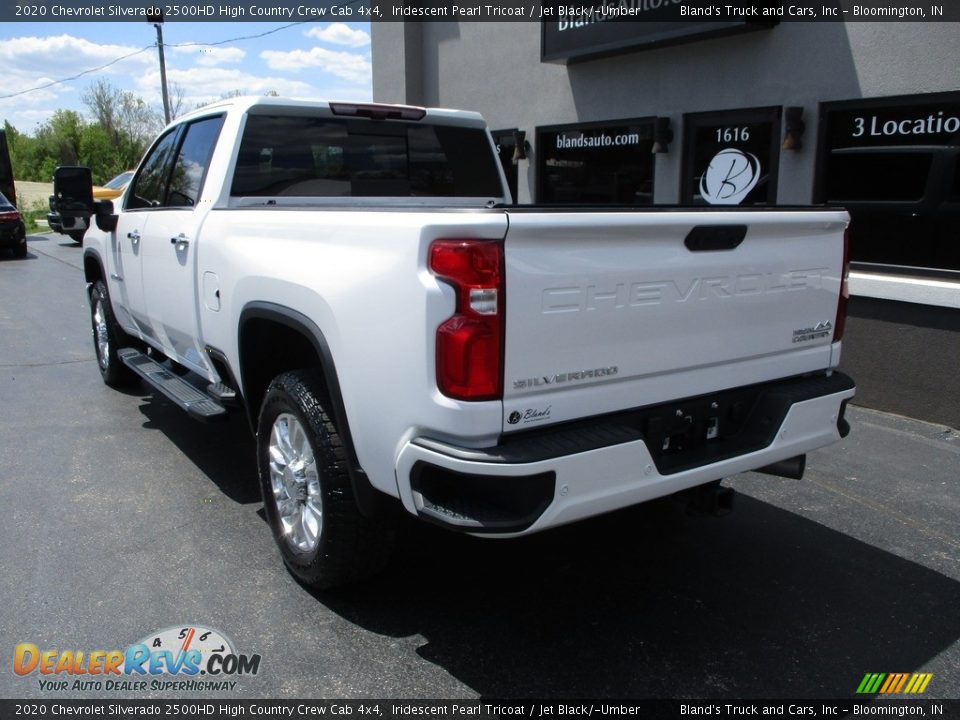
{"x": 354, "y": 279}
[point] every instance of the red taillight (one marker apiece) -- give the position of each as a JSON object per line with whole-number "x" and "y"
{"x": 6, "y": 216}
{"x": 470, "y": 343}
{"x": 838, "y": 326}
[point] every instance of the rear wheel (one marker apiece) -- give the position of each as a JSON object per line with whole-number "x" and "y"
{"x": 108, "y": 338}
{"x": 307, "y": 495}
{"x": 20, "y": 251}
{"x": 77, "y": 236}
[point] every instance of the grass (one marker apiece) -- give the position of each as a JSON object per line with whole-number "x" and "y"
{"x": 33, "y": 201}
{"x": 37, "y": 210}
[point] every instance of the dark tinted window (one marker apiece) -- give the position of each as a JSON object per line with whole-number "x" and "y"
{"x": 898, "y": 227}
{"x": 192, "y": 161}
{"x": 955, "y": 189}
{"x": 150, "y": 185}
{"x": 596, "y": 164}
{"x": 893, "y": 164}
{"x": 924, "y": 241}
{"x": 313, "y": 157}
{"x": 506, "y": 146}
{"x": 877, "y": 176}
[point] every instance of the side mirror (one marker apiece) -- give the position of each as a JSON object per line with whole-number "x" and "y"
{"x": 73, "y": 192}
{"x": 106, "y": 219}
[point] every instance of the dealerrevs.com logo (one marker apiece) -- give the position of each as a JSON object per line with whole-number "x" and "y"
{"x": 179, "y": 658}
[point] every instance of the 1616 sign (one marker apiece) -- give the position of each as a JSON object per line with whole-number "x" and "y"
{"x": 731, "y": 158}
{"x": 734, "y": 134}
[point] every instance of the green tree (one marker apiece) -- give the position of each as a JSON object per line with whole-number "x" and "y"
{"x": 127, "y": 121}
{"x": 62, "y": 133}
{"x": 120, "y": 127}
{"x": 18, "y": 145}
{"x": 100, "y": 154}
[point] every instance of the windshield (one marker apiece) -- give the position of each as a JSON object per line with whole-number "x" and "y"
{"x": 120, "y": 180}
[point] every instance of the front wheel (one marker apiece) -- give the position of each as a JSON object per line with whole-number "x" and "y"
{"x": 307, "y": 495}
{"x": 108, "y": 337}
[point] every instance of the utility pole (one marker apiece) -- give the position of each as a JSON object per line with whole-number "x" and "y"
{"x": 157, "y": 20}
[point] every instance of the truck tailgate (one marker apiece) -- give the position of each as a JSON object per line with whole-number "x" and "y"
{"x": 612, "y": 310}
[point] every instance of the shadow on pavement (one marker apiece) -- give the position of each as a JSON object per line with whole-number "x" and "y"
{"x": 644, "y": 603}
{"x": 8, "y": 256}
{"x": 650, "y": 603}
{"x": 224, "y": 451}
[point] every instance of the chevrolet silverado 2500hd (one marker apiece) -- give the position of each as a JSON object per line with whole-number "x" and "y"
{"x": 354, "y": 279}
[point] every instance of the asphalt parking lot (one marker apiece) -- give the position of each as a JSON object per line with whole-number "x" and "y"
{"x": 119, "y": 517}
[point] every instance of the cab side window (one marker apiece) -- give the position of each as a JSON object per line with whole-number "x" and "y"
{"x": 186, "y": 181}
{"x": 150, "y": 185}
{"x": 173, "y": 173}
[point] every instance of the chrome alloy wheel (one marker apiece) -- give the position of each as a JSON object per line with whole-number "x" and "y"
{"x": 295, "y": 483}
{"x": 101, "y": 334}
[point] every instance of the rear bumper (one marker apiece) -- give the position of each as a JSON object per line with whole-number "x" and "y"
{"x": 12, "y": 234}
{"x": 531, "y": 482}
{"x": 71, "y": 224}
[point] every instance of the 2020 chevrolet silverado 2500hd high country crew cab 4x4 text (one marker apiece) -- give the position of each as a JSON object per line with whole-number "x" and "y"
{"x": 354, "y": 279}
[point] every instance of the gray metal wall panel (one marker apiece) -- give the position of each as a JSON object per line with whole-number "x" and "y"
{"x": 495, "y": 68}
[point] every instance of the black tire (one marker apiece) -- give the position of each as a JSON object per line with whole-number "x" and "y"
{"x": 77, "y": 236}
{"x": 347, "y": 546}
{"x": 20, "y": 251}
{"x": 108, "y": 337}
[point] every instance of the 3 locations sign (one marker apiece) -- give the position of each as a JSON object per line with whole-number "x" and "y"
{"x": 731, "y": 158}
{"x": 616, "y": 26}
{"x": 892, "y": 150}
{"x": 918, "y": 120}
{"x": 894, "y": 163}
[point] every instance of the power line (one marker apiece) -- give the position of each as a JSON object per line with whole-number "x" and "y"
{"x": 144, "y": 49}
{"x": 237, "y": 39}
{"x": 78, "y": 75}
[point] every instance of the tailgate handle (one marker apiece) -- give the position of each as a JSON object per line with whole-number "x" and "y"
{"x": 704, "y": 238}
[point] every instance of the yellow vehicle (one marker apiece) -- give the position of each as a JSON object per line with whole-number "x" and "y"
{"x": 114, "y": 188}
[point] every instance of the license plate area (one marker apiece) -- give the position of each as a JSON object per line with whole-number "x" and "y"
{"x": 690, "y": 432}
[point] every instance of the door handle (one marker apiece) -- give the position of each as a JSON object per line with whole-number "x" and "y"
{"x": 181, "y": 241}
{"x": 134, "y": 237}
{"x": 709, "y": 238}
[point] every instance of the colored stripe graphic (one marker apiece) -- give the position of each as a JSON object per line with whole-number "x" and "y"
{"x": 918, "y": 683}
{"x": 894, "y": 683}
{"x": 870, "y": 683}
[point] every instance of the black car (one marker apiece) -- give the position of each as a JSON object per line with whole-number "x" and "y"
{"x": 13, "y": 233}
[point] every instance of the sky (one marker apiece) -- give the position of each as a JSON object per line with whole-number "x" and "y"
{"x": 316, "y": 60}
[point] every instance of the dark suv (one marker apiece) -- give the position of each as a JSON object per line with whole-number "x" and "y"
{"x": 13, "y": 233}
